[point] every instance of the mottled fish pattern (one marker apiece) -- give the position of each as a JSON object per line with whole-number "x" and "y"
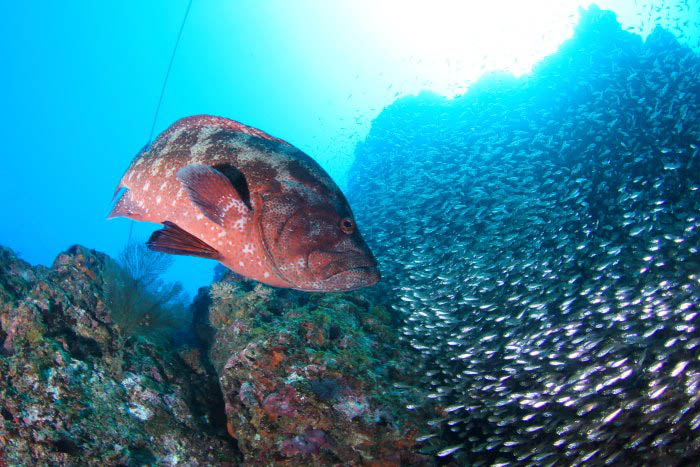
{"x": 257, "y": 204}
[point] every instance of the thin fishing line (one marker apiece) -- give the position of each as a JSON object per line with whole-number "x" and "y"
{"x": 131, "y": 227}
{"x": 162, "y": 92}
{"x": 167, "y": 74}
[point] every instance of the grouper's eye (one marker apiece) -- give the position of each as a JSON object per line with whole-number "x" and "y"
{"x": 347, "y": 225}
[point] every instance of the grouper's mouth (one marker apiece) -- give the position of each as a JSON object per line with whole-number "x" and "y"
{"x": 348, "y": 270}
{"x": 352, "y": 279}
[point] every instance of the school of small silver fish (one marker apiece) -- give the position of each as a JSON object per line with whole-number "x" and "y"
{"x": 540, "y": 241}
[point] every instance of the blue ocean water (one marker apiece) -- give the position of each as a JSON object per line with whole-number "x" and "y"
{"x": 82, "y": 81}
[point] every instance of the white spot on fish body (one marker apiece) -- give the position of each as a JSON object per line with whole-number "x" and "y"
{"x": 158, "y": 199}
{"x": 240, "y": 224}
{"x": 199, "y": 216}
{"x": 240, "y": 207}
{"x": 156, "y": 166}
{"x": 145, "y": 187}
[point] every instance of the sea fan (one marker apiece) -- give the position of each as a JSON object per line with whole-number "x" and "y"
{"x": 141, "y": 304}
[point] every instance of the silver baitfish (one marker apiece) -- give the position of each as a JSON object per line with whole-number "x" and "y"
{"x": 540, "y": 241}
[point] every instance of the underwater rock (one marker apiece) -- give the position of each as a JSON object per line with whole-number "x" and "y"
{"x": 539, "y": 239}
{"x": 73, "y": 391}
{"x": 294, "y": 395}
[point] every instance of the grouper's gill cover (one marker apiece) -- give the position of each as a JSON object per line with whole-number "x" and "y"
{"x": 260, "y": 206}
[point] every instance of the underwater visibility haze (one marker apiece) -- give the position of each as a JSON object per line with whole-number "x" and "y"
{"x": 498, "y": 201}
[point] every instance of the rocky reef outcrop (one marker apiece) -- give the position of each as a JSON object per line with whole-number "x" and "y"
{"x": 271, "y": 377}
{"x": 312, "y": 379}
{"x": 74, "y": 391}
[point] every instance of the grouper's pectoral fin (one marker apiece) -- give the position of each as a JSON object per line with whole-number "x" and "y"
{"x": 175, "y": 241}
{"x": 126, "y": 206}
{"x": 221, "y": 195}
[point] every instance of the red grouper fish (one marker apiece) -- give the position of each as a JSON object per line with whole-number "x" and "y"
{"x": 255, "y": 203}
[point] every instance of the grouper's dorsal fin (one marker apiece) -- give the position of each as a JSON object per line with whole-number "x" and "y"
{"x": 214, "y": 194}
{"x": 175, "y": 241}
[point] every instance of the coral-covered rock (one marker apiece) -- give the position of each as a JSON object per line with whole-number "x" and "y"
{"x": 74, "y": 391}
{"x": 307, "y": 379}
{"x": 311, "y": 379}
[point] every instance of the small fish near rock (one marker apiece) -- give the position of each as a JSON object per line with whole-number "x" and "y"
{"x": 255, "y": 203}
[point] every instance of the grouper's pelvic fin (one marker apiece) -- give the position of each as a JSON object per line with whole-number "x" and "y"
{"x": 175, "y": 241}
